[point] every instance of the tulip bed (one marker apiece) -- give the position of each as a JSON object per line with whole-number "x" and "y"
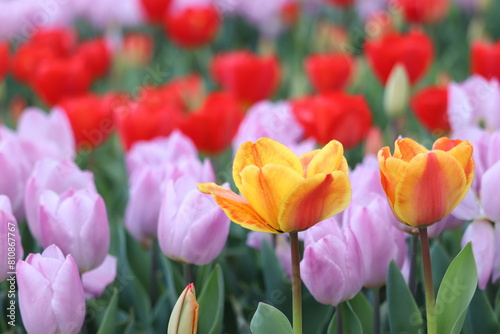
{"x": 244, "y": 166}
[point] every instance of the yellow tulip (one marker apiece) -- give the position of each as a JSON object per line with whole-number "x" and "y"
{"x": 424, "y": 186}
{"x": 184, "y": 317}
{"x": 282, "y": 192}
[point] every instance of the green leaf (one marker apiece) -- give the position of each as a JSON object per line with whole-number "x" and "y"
{"x": 160, "y": 313}
{"x": 455, "y": 292}
{"x": 362, "y": 308}
{"x": 268, "y": 319}
{"x": 481, "y": 317}
{"x": 440, "y": 261}
{"x": 211, "y": 302}
{"x": 350, "y": 321}
{"x": 108, "y": 324}
{"x": 404, "y": 315}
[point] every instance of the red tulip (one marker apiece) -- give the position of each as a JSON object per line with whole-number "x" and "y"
{"x": 329, "y": 72}
{"x": 334, "y": 116}
{"x": 214, "y": 125}
{"x": 55, "y": 79}
{"x": 97, "y": 56}
{"x": 485, "y": 59}
{"x": 192, "y": 26}
{"x": 4, "y": 59}
{"x": 423, "y": 11}
{"x": 414, "y": 50}
{"x": 290, "y": 13}
{"x": 137, "y": 48}
{"x": 340, "y": 3}
{"x": 156, "y": 9}
{"x": 91, "y": 118}
{"x": 249, "y": 77}
{"x": 61, "y": 41}
{"x": 25, "y": 61}
{"x": 430, "y": 107}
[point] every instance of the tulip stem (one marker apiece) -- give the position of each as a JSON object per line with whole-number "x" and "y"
{"x": 296, "y": 283}
{"x": 154, "y": 269}
{"x": 340, "y": 324}
{"x": 188, "y": 273}
{"x": 430, "y": 305}
{"x": 412, "y": 284}
{"x": 376, "y": 310}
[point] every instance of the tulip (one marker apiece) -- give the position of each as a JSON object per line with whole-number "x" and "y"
{"x": 137, "y": 49}
{"x": 95, "y": 281}
{"x": 483, "y": 59}
{"x": 424, "y": 186}
{"x": 155, "y": 9}
{"x": 4, "y": 59}
{"x": 249, "y": 77}
{"x": 11, "y": 250}
{"x": 423, "y": 11}
{"x": 282, "y": 192}
{"x": 184, "y": 316}
{"x": 430, "y": 106}
{"x": 482, "y": 236}
{"x": 61, "y": 40}
{"x": 329, "y": 72}
{"x": 413, "y": 50}
{"x": 51, "y": 297}
{"x": 332, "y": 267}
{"x": 335, "y": 116}
{"x": 191, "y": 228}
{"x": 53, "y": 176}
{"x": 397, "y": 90}
{"x": 340, "y": 3}
{"x": 77, "y": 223}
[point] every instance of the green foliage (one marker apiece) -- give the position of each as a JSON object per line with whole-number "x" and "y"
{"x": 268, "y": 319}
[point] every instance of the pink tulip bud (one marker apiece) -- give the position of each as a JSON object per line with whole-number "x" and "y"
{"x": 55, "y": 176}
{"x": 51, "y": 297}
{"x": 184, "y": 316}
{"x": 11, "y": 249}
{"x": 192, "y": 228}
{"x": 95, "y": 281}
{"x": 77, "y": 223}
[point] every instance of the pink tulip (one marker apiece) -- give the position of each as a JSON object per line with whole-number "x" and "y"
{"x": 77, "y": 223}
{"x": 51, "y": 297}
{"x": 53, "y": 176}
{"x": 11, "y": 249}
{"x": 192, "y": 228}
{"x": 332, "y": 267}
{"x": 95, "y": 281}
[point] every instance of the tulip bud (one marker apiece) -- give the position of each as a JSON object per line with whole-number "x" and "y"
{"x": 77, "y": 223}
{"x": 396, "y": 91}
{"x": 11, "y": 250}
{"x": 184, "y": 317}
{"x": 51, "y": 297}
{"x": 95, "y": 281}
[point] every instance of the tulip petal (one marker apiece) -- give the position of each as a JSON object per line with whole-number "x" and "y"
{"x": 329, "y": 159}
{"x": 490, "y": 184}
{"x": 406, "y": 149}
{"x": 264, "y": 151}
{"x": 236, "y": 208}
{"x": 305, "y": 159}
{"x": 391, "y": 171}
{"x": 435, "y": 181}
{"x": 266, "y": 189}
{"x": 461, "y": 150}
{"x": 315, "y": 199}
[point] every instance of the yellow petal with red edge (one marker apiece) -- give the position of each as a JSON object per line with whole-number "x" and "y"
{"x": 329, "y": 159}
{"x": 306, "y": 158}
{"x": 264, "y": 151}
{"x": 236, "y": 208}
{"x": 391, "y": 171}
{"x": 266, "y": 188}
{"x": 430, "y": 189}
{"x": 461, "y": 150}
{"x": 315, "y": 199}
{"x": 406, "y": 149}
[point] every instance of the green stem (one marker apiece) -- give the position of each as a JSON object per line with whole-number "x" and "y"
{"x": 412, "y": 284}
{"x": 376, "y": 310}
{"x": 153, "y": 291}
{"x": 340, "y": 324}
{"x": 296, "y": 283}
{"x": 188, "y": 273}
{"x": 430, "y": 305}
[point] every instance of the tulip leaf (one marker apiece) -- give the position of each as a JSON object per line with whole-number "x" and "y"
{"x": 455, "y": 292}
{"x": 362, "y": 308}
{"x": 481, "y": 317}
{"x": 440, "y": 261}
{"x": 350, "y": 320}
{"x": 211, "y": 302}
{"x": 108, "y": 324}
{"x": 162, "y": 307}
{"x": 268, "y": 319}
{"x": 318, "y": 315}
{"x": 404, "y": 315}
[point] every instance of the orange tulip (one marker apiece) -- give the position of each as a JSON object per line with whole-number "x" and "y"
{"x": 282, "y": 192}
{"x": 424, "y": 186}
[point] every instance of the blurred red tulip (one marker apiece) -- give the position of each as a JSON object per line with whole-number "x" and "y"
{"x": 485, "y": 59}
{"x": 249, "y": 77}
{"x": 329, "y": 72}
{"x": 26, "y": 59}
{"x": 214, "y": 125}
{"x": 336, "y": 116}
{"x": 97, "y": 56}
{"x": 4, "y": 59}
{"x": 91, "y": 118}
{"x": 423, "y": 11}
{"x": 137, "y": 48}
{"x": 62, "y": 41}
{"x": 290, "y": 13}
{"x": 55, "y": 79}
{"x": 340, "y": 3}
{"x": 430, "y": 107}
{"x": 156, "y": 9}
{"x": 193, "y": 26}
{"x": 413, "y": 50}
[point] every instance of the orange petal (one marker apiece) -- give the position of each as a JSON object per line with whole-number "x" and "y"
{"x": 306, "y": 158}
{"x": 266, "y": 188}
{"x": 264, "y": 151}
{"x": 431, "y": 187}
{"x": 329, "y": 159}
{"x": 406, "y": 149}
{"x": 461, "y": 150}
{"x": 236, "y": 208}
{"x": 391, "y": 171}
{"x": 315, "y": 199}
